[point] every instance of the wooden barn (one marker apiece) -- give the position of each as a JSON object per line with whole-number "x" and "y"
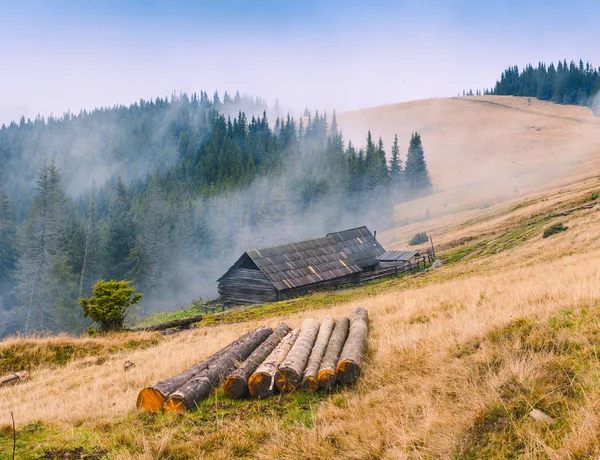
{"x": 279, "y": 272}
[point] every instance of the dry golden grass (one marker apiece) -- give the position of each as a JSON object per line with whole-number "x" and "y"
{"x": 455, "y": 362}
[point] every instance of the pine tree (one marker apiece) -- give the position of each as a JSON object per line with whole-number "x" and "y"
{"x": 395, "y": 164}
{"x": 120, "y": 234}
{"x": 90, "y": 267}
{"x": 7, "y": 246}
{"x": 40, "y": 251}
{"x": 416, "y": 172}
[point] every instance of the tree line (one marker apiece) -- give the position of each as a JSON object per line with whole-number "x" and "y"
{"x": 563, "y": 83}
{"x": 237, "y": 182}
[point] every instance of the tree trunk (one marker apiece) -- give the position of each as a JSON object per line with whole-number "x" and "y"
{"x": 153, "y": 398}
{"x": 12, "y": 379}
{"x": 260, "y": 384}
{"x": 309, "y": 380}
{"x": 200, "y": 387}
{"x": 326, "y": 376}
{"x": 348, "y": 367}
{"x": 162, "y": 326}
{"x": 289, "y": 373}
{"x": 236, "y": 385}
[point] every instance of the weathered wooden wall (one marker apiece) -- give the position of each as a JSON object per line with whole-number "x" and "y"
{"x": 244, "y": 286}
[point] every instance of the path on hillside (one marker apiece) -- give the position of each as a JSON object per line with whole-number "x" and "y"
{"x": 533, "y": 112}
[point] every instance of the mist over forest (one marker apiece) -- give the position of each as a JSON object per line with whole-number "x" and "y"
{"x": 169, "y": 193}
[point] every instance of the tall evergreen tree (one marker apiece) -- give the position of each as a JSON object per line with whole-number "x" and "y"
{"x": 416, "y": 172}
{"x": 40, "y": 251}
{"x": 7, "y": 246}
{"x": 91, "y": 265}
{"x": 395, "y": 164}
{"x": 120, "y": 234}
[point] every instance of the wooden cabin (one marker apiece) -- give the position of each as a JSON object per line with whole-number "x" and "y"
{"x": 398, "y": 258}
{"x": 280, "y": 272}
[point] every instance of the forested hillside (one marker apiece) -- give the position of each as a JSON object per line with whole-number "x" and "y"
{"x": 563, "y": 84}
{"x": 169, "y": 193}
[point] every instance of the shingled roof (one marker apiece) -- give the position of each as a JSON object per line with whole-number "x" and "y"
{"x": 308, "y": 262}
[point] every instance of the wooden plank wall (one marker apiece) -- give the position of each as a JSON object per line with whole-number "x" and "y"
{"x": 243, "y": 286}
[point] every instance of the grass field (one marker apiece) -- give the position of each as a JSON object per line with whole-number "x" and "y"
{"x": 458, "y": 357}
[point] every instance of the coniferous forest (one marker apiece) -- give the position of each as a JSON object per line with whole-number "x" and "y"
{"x": 168, "y": 193}
{"x": 564, "y": 83}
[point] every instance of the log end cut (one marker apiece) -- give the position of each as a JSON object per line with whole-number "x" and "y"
{"x": 286, "y": 379}
{"x": 235, "y": 387}
{"x": 174, "y": 404}
{"x": 259, "y": 385}
{"x": 347, "y": 371}
{"x": 326, "y": 378}
{"x": 150, "y": 400}
{"x": 310, "y": 384}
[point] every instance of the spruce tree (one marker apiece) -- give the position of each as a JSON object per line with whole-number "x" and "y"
{"x": 40, "y": 251}
{"x": 416, "y": 172}
{"x": 7, "y": 246}
{"x": 395, "y": 164}
{"x": 90, "y": 267}
{"x": 120, "y": 234}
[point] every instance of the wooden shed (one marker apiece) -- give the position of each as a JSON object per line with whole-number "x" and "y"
{"x": 279, "y": 272}
{"x": 400, "y": 258}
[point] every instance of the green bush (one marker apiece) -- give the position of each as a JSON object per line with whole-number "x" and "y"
{"x": 109, "y": 305}
{"x": 419, "y": 238}
{"x": 553, "y": 229}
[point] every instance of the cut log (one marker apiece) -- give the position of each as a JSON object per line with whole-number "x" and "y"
{"x": 200, "y": 387}
{"x": 182, "y": 323}
{"x": 348, "y": 367}
{"x": 12, "y": 379}
{"x": 236, "y": 385}
{"x": 326, "y": 375}
{"x": 153, "y": 398}
{"x": 260, "y": 384}
{"x": 309, "y": 380}
{"x": 289, "y": 373}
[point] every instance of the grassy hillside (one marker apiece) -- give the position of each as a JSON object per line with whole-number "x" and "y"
{"x": 458, "y": 357}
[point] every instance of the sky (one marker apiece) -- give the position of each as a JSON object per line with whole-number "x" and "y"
{"x": 58, "y": 56}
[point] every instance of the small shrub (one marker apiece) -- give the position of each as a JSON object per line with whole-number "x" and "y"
{"x": 554, "y": 229}
{"x": 419, "y": 238}
{"x": 109, "y": 305}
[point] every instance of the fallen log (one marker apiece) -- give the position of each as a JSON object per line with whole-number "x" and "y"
{"x": 326, "y": 375}
{"x": 153, "y": 398}
{"x": 260, "y": 384}
{"x": 348, "y": 367}
{"x": 12, "y": 379}
{"x": 182, "y": 323}
{"x": 289, "y": 372}
{"x": 236, "y": 385}
{"x": 309, "y": 380}
{"x": 200, "y": 387}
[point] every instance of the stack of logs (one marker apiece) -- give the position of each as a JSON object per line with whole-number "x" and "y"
{"x": 264, "y": 361}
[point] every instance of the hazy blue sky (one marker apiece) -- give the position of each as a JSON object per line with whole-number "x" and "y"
{"x": 61, "y": 55}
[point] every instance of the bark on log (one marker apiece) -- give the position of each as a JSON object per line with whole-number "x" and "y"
{"x": 289, "y": 373}
{"x": 348, "y": 367}
{"x": 309, "y": 380}
{"x": 12, "y": 379}
{"x": 153, "y": 398}
{"x": 236, "y": 385}
{"x": 326, "y": 376}
{"x": 260, "y": 384}
{"x": 200, "y": 387}
{"x": 169, "y": 324}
